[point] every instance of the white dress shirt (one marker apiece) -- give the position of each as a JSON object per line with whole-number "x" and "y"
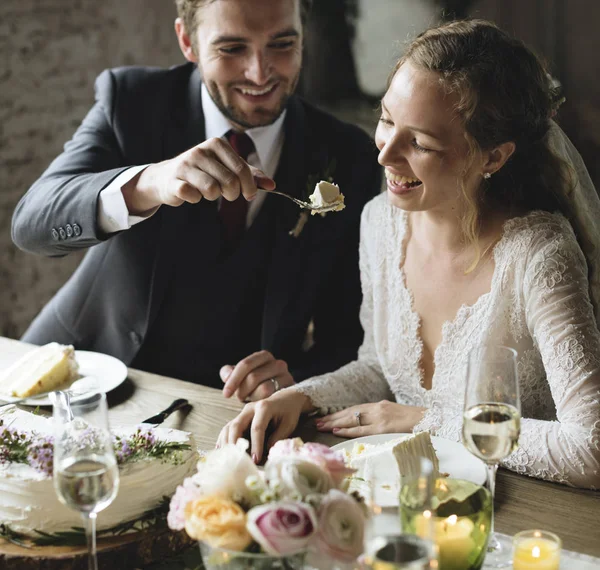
{"x": 113, "y": 215}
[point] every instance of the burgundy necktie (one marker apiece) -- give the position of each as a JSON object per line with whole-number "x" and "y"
{"x": 233, "y": 214}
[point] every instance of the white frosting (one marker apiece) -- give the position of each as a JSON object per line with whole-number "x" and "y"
{"x": 28, "y": 500}
{"x": 327, "y": 196}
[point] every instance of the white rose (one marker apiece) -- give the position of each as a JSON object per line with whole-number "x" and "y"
{"x": 224, "y": 472}
{"x": 297, "y": 478}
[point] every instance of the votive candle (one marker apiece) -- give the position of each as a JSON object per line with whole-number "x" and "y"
{"x": 536, "y": 550}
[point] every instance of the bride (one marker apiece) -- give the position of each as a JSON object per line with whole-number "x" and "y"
{"x": 483, "y": 236}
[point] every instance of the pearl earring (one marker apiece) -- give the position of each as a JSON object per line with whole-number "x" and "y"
{"x": 487, "y": 175}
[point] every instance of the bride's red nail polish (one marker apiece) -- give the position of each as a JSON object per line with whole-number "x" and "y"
{"x": 335, "y": 430}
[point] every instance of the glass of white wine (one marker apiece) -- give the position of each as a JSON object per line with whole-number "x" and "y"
{"x": 86, "y": 477}
{"x": 492, "y": 422}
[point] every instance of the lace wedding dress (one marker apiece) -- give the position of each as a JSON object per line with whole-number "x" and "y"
{"x": 538, "y": 304}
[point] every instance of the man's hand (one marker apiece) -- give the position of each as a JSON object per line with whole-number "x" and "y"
{"x": 255, "y": 377}
{"x": 371, "y": 419}
{"x": 208, "y": 170}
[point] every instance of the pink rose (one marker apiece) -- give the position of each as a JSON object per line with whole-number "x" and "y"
{"x": 317, "y": 453}
{"x": 186, "y": 492}
{"x": 341, "y": 527}
{"x": 282, "y": 528}
{"x": 330, "y": 460}
{"x": 285, "y": 448}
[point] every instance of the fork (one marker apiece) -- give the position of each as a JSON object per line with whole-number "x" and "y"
{"x": 301, "y": 203}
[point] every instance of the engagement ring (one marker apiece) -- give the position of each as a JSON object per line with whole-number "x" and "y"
{"x": 276, "y": 385}
{"x": 357, "y": 416}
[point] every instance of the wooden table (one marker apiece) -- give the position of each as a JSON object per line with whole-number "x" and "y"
{"x": 521, "y": 502}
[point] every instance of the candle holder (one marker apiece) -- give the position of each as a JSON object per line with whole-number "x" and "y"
{"x": 459, "y": 522}
{"x": 536, "y": 550}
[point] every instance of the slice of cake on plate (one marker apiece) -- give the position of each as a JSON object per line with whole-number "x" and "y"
{"x": 377, "y": 458}
{"x": 43, "y": 369}
{"x": 152, "y": 463}
{"x": 385, "y": 464}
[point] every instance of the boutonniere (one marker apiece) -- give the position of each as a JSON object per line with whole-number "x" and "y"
{"x": 311, "y": 182}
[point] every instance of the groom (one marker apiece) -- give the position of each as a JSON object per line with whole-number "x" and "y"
{"x": 193, "y": 272}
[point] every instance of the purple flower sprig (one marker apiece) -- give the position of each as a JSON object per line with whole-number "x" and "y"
{"x": 31, "y": 449}
{"x": 13, "y": 445}
{"x": 37, "y": 450}
{"x": 40, "y": 454}
{"x": 143, "y": 444}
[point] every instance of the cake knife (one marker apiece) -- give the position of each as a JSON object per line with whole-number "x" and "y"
{"x": 162, "y": 416}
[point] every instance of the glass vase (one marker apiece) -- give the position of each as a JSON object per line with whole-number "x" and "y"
{"x": 222, "y": 559}
{"x": 461, "y": 521}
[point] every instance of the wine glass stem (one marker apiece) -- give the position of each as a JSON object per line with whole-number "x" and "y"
{"x": 491, "y": 476}
{"x": 89, "y": 521}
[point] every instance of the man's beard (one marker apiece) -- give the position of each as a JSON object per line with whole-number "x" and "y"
{"x": 266, "y": 116}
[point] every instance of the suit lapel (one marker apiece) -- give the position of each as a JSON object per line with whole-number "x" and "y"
{"x": 184, "y": 130}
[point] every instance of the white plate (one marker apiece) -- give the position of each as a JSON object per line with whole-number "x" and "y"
{"x": 454, "y": 460}
{"x": 99, "y": 372}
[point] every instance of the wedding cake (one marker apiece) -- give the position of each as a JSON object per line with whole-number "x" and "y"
{"x": 152, "y": 463}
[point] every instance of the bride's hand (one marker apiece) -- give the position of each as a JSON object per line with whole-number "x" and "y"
{"x": 281, "y": 410}
{"x": 370, "y": 419}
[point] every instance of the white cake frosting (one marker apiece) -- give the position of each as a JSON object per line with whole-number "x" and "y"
{"x": 327, "y": 197}
{"x": 28, "y": 500}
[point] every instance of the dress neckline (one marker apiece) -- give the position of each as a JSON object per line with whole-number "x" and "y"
{"x": 464, "y": 311}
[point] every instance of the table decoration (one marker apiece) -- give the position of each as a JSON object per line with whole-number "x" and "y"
{"x": 460, "y": 517}
{"x": 245, "y": 517}
{"x": 536, "y": 550}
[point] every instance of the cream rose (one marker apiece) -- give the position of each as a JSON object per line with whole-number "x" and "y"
{"x": 218, "y": 522}
{"x": 341, "y": 527}
{"x": 297, "y": 478}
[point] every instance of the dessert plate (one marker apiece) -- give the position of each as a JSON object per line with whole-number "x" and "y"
{"x": 453, "y": 457}
{"x": 98, "y": 372}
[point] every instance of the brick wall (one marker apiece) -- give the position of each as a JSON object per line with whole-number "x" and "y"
{"x": 50, "y": 53}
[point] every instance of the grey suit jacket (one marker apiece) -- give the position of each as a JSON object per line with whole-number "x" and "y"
{"x": 146, "y": 115}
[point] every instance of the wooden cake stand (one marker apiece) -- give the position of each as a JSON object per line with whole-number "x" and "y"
{"x": 128, "y": 551}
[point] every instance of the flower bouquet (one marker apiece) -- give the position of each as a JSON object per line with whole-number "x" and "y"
{"x": 296, "y": 507}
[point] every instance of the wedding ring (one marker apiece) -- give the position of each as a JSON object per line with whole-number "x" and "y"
{"x": 357, "y": 416}
{"x": 276, "y": 386}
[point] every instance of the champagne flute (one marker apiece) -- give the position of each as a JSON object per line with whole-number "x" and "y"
{"x": 492, "y": 422}
{"x": 86, "y": 477}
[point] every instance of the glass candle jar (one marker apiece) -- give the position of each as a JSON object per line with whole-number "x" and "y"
{"x": 536, "y": 550}
{"x": 459, "y": 523}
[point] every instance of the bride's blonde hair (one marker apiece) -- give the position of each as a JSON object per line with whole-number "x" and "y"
{"x": 504, "y": 94}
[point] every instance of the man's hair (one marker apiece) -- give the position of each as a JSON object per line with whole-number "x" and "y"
{"x": 188, "y": 11}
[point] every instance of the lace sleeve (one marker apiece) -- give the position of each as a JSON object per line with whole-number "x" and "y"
{"x": 362, "y": 380}
{"x": 561, "y": 321}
